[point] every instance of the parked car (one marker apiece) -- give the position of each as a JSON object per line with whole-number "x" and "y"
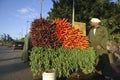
{"x": 18, "y": 45}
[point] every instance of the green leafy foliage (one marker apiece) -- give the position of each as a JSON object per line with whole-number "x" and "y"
{"x": 106, "y": 10}
{"x": 64, "y": 61}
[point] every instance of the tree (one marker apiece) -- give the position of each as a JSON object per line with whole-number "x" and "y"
{"x": 106, "y": 10}
{"x": 61, "y": 9}
{"x": 5, "y": 37}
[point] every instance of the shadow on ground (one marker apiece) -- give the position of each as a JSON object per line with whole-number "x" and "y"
{"x": 14, "y": 67}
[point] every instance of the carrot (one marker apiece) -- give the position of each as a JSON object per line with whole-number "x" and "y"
{"x": 70, "y": 37}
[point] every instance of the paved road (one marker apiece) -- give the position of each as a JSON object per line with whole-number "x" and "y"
{"x": 11, "y": 66}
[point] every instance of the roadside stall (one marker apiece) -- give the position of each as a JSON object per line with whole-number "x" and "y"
{"x": 60, "y": 48}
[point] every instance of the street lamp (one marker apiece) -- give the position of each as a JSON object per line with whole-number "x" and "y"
{"x": 41, "y": 8}
{"x": 27, "y": 27}
{"x": 73, "y": 14}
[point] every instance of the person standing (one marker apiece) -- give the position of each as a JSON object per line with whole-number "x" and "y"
{"x": 98, "y": 37}
{"x": 27, "y": 47}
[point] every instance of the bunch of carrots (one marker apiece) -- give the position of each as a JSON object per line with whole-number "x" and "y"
{"x": 69, "y": 36}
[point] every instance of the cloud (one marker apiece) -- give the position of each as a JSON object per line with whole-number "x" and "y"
{"x": 23, "y": 10}
{"x": 27, "y": 12}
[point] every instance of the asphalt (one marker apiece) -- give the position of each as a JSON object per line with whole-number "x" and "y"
{"x": 11, "y": 66}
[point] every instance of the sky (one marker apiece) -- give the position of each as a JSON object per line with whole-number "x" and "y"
{"x": 16, "y": 15}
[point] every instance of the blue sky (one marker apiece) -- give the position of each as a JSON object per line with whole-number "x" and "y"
{"x": 16, "y": 15}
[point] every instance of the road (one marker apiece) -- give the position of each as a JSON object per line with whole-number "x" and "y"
{"x": 11, "y": 66}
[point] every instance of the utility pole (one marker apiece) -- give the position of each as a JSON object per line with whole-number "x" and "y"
{"x": 27, "y": 27}
{"x": 41, "y": 8}
{"x": 73, "y": 13}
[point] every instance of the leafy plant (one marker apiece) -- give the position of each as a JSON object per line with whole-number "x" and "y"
{"x": 70, "y": 60}
{"x": 116, "y": 38}
{"x": 64, "y": 61}
{"x": 41, "y": 60}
